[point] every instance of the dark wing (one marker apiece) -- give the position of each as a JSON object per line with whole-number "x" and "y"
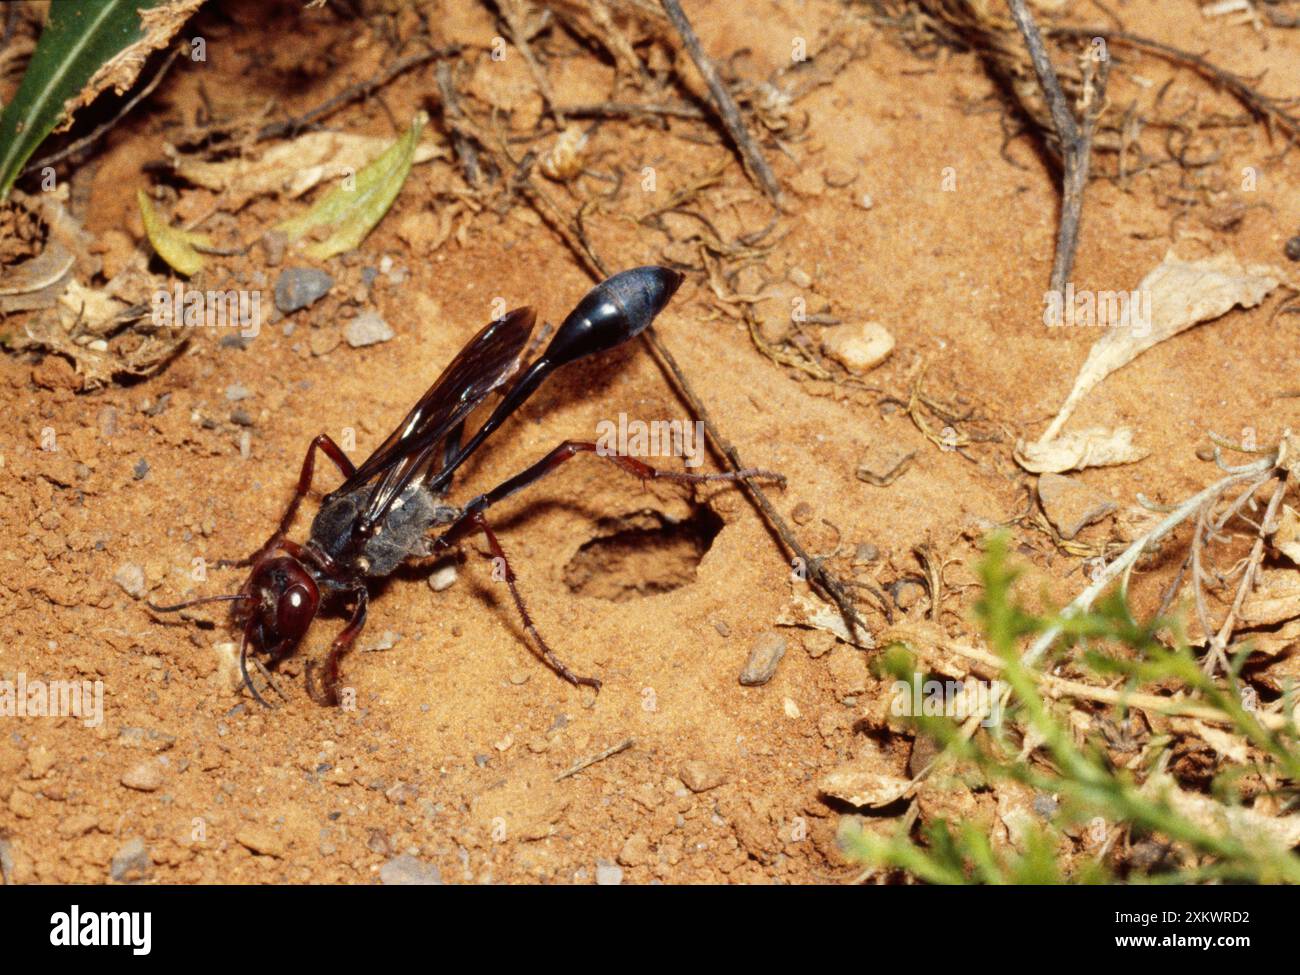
{"x": 483, "y": 365}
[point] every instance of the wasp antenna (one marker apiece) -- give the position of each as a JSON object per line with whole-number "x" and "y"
{"x": 231, "y": 597}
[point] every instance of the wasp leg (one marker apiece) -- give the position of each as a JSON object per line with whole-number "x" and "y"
{"x": 326, "y": 445}
{"x": 499, "y": 553}
{"x": 328, "y": 693}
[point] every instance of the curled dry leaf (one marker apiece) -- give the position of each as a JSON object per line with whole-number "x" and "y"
{"x": 351, "y": 210}
{"x": 1173, "y": 297}
{"x": 173, "y": 245}
{"x": 1094, "y": 447}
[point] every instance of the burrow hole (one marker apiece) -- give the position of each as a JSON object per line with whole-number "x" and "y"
{"x": 642, "y": 554}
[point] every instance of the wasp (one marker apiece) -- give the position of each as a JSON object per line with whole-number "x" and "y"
{"x": 393, "y": 509}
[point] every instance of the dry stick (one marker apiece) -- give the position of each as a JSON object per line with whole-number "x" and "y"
{"x": 1252, "y": 565}
{"x": 75, "y": 147}
{"x": 750, "y": 156}
{"x": 631, "y": 109}
{"x": 1076, "y": 143}
{"x": 519, "y": 34}
{"x": 591, "y": 760}
{"x": 991, "y": 663}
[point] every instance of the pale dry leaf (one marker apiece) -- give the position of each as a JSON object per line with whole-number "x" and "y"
{"x": 808, "y": 610}
{"x": 1275, "y": 599}
{"x": 289, "y": 168}
{"x": 1177, "y": 294}
{"x": 1286, "y": 539}
{"x": 1094, "y": 447}
{"x": 1230, "y": 746}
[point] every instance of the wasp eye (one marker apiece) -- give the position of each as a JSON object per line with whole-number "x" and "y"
{"x": 295, "y": 610}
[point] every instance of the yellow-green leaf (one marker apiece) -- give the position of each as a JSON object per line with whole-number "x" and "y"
{"x": 355, "y": 207}
{"x": 173, "y": 245}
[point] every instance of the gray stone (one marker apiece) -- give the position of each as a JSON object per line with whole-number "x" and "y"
{"x": 407, "y": 871}
{"x": 298, "y": 287}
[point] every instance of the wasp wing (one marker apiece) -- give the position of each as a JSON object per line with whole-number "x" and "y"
{"x": 483, "y": 365}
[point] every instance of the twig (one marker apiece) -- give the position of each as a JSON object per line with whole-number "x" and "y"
{"x": 630, "y": 110}
{"x": 1252, "y": 566}
{"x": 591, "y": 760}
{"x": 75, "y": 147}
{"x": 991, "y": 663}
{"x": 1076, "y": 141}
{"x": 750, "y": 155}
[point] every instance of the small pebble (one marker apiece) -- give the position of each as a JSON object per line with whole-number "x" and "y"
{"x": 235, "y": 392}
{"x": 143, "y": 777}
{"x": 407, "y": 871}
{"x": 1293, "y": 248}
{"x": 323, "y": 341}
{"x": 260, "y": 840}
{"x": 131, "y": 861}
{"x": 764, "y": 656}
{"x": 699, "y": 776}
{"x": 298, "y": 287}
{"x": 274, "y": 243}
{"x": 368, "y": 328}
{"x": 141, "y": 469}
{"x": 802, "y": 513}
{"x": 443, "y": 578}
{"x": 858, "y": 348}
{"x": 131, "y": 578}
{"x": 40, "y": 760}
{"x": 608, "y": 874}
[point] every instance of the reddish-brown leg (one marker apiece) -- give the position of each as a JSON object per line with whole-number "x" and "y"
{"x": 547, "y": 654}
{"x": 464, "y": 525}
{"x": 326, "y": 445}
{"x": 328, "y": 693}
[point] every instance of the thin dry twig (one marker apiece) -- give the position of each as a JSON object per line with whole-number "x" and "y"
{"x": 1075, "y": 138}
{"x": 591, "y": 760}
{"x": 750, "y": 155}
